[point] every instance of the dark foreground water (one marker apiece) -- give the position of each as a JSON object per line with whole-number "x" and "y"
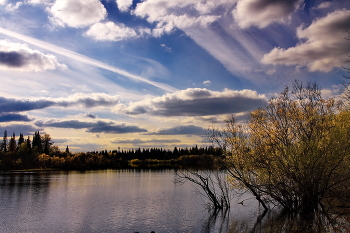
{"x": 119, "y": 201}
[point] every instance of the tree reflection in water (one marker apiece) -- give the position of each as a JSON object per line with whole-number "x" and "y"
{"x": 273, "y": 221}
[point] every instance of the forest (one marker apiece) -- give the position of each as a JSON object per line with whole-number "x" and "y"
{"x": 39, "y": 152}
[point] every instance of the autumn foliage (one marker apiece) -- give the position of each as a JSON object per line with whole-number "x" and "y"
{"x": 293, "y": 153}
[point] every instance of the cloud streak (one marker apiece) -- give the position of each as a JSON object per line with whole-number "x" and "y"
{"x": 83, "y": 59}
{"x": 14, "y": 117}
{"x": 93, "y": 127}
{"x": 8, "y": 105}
{"x": 181, "y": 130}
{"x": 140, "y": 141}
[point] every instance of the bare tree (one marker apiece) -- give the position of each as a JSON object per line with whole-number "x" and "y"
{"x": 211, "y": 184}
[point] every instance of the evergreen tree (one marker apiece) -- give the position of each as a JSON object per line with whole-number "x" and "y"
{"x": 28, "y": 143}
{"x": 36, "y": 143}
{"x": 20, "y": 140}
{"x": 12, "y": 144}
{"x": 4, "y": 142}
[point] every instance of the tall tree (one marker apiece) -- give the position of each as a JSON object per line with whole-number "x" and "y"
{"x": 4, "y": 142}
{"x": 28, "y": 142}
{"x": 12, "y": 143}
{"x": 20, "y": 140}
{"x": 36, "y": 143}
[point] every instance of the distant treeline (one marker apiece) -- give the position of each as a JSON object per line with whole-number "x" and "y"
{"x": 39, "y": 152}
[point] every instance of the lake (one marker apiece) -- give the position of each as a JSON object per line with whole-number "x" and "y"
{"x": 108, "y": 201}
{"x": 128, "y": 201}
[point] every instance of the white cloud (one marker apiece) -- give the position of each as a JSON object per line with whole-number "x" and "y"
{"x": 13, "y": 7}
{"x": 207, "y": 83}
{"x": 167, "y": 48}
{"x": 197, "y": 102}
{"x": 77, "y": 13}
{"x": 19, "y": 57}
{"x": 45, "y": 2}
{"x": 110, "y": 32}
{"x": 181, "y": 14}
{"x": 324, "y": 5}
{"x": 124, "y": 5}
{"x": 3, "y": 2}
{"x": 261, "y": 13}
{"x": 325, "y": 46}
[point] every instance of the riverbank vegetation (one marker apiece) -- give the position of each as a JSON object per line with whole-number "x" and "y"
{"x": 39, "y": 152}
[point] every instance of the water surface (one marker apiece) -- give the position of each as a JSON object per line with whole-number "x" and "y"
{"x": 107, "y": 201}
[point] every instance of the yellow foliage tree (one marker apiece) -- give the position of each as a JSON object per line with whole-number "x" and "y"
{"x": 294, "y": 152}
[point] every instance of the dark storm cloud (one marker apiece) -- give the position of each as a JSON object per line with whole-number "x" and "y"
{"x": 181, "y": 130}
{"x": 13, "y": 117}
{"x": 92, "y": 127}
{"x": 12, "y": 59}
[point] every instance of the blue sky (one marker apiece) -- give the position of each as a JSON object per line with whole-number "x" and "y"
{"x": 156, "y": 73}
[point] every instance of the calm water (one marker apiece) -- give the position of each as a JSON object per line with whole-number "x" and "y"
{"x": 108, "y": 201}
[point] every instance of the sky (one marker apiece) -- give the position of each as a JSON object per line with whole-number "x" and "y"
{"x": 126, "y": 74}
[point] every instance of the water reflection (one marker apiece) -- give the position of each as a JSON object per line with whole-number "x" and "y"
{"x": 134, "y": 200}
{"x": 273, "y": 221}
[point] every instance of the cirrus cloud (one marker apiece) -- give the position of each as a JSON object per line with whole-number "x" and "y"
{"x": 324, "y": 46}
